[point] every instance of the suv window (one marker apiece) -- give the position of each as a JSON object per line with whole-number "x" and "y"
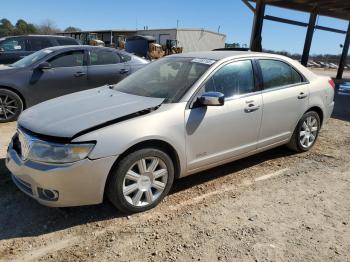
{"x": 277, "y": 73}
{"x": 68, "y": 59}
{"x": 66, "y": 41}
{"x": 232, "y": 79}
{"x": 37, "y": 44}
{"x": 103, "y": 57}
{"x": 13, "y": 44}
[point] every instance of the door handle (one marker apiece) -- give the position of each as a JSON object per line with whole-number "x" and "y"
{"x": 77, "y": 74}
{"x": 302, "y": 95}
{"x": 123, "y": 71}
{"x": 251, "y": 108}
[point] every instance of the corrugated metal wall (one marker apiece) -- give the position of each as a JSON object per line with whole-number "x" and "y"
{"x": 190, "y": 39}
{"x": 200, "y": 40}
{"x": 160, "y": 35}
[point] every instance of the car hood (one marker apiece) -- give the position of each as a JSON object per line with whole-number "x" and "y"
{"x": 69, "y": 115}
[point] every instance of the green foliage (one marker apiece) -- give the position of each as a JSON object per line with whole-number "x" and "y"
{"x": 21, "y": 28}
{"x": 72, "y": 29}
{"x": 6, "y": 27}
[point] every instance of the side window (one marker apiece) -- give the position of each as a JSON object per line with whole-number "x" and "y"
{"x": 232, "y": 79}
{"x": 37, "y": 44}
{"x": 66, "y": 41}
{"x": 276, "y": 73}
{"x": 125, "y": 57}
{"x": 68, "y": 59}
{"x": 13, "y": 44}
{"x": 103, "y": 57}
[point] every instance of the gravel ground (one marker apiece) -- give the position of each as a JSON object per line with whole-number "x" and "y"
{"x": 275, "y": 206}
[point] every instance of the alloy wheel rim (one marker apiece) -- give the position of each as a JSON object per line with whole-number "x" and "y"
{"x": 8, "y": 107}
{"x": 308, "y": 132}
{"x": 145, "y": 181}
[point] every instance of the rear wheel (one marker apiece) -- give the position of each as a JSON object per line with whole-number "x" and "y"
{"x": 11, "y": 106}
{"x": 306, "y": 132}
{"x": 141, "y": 180}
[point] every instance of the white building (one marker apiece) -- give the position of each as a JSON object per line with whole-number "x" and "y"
{"x": 189, "y": 39}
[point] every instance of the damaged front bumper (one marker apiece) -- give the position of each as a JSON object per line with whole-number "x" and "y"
{"x": 60, "y": 185}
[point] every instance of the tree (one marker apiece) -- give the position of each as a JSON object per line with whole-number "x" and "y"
{"x": 70, "y": 29}
{"x": 23, "y": 28}
{"x": 6, "y": 27}
{"x": 48, "y": 27}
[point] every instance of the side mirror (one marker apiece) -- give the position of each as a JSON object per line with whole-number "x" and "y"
{"x": 44, "y": 66}
{"x": 212, "y": 99}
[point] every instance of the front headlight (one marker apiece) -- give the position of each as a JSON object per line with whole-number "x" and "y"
{"x": 58, "y": 153}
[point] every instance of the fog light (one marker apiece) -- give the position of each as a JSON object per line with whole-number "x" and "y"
{"x": 47, "y": 194}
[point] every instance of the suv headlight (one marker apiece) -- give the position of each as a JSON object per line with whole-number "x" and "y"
{"x": 58, "y": 153}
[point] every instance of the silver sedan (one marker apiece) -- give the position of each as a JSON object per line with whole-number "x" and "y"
{"x": 175, "y": 117}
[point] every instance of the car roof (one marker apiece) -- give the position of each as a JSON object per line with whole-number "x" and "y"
{"x": 219, "y": 55}
{"x": 47, "y": 36}
{"x": 74, "y": 47}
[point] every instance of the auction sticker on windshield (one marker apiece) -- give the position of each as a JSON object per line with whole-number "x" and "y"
{"x": 203, "y": 61}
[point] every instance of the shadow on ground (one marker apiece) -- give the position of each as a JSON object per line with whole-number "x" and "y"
{"x": 21, "y": 216}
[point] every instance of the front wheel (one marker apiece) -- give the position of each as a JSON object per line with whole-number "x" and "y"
{"x": 306, "y": 132}
{"x": 11, "y": 106}
{"x": 140, "y": 180}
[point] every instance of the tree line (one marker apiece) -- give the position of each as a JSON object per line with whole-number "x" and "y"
{"x": 22, "y": 27}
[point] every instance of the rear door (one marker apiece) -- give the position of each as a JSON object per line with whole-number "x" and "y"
{"x": 285, "y": 98}
{"x": 67, "y": 75}
{"x": 105, "y": 67}
{"x": 13, "y": 49}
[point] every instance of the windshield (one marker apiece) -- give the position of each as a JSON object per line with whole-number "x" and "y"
{"x": 167, "y": 78}
{"x": 28, "y": 60}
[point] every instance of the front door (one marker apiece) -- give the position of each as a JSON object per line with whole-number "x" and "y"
{"x": 218, "y": 133}
{"x": 68, "y": 74}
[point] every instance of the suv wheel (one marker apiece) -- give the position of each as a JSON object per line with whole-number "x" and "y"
{"x": 306, "y": 132}
{"x": 11, "y": 106}
{"x": 140, "y": 180}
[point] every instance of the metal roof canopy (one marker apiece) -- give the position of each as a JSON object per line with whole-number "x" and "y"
{"x": 333, "y": 8}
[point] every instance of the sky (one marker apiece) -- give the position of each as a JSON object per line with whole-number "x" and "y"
{"x": 232, "y": 16}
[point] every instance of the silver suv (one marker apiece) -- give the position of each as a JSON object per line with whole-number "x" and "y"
{"x": 177, "y": 116}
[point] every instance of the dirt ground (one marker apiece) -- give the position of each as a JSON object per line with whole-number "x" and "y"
{"x": 275, "y": 206}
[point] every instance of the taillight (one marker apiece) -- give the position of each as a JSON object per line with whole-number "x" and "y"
{"x": 331, "y": 82}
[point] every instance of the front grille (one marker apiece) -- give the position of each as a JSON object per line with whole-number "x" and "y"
{"x": 24, "y": 186}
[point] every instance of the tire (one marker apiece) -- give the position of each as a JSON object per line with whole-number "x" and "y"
{"x": 11, "y": 106}
{"x": 135, "y": 171}
{"x": 305, "y": 134}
